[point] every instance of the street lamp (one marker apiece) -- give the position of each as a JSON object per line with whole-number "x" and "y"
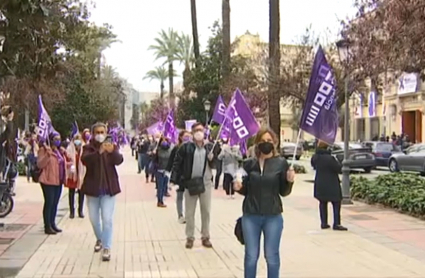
{"x": 344, "y": 56}
{"x": 207, "y": 107}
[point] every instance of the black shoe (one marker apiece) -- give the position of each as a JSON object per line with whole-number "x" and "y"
{"x": 80, "y": 214}
{"x": 325, "y": 226}
{"x": 49, "y": 231}
{"x": 56, "y": 229}
{"x": 339, "y": 228}
{"x": 72, "y": 215}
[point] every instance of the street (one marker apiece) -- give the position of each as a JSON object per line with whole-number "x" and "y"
{"x": 149, "y": 242}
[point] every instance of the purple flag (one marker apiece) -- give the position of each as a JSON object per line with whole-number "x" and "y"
{"x": 155, "y": 128}
{"x": 75, "y": 130}
{"x": 170, "y": 128}
{"x": 320, "y": 114}
{"x": 239, "y": 122}
{"x": 45, "y": 127}
{"x": 189, "y": 124}
{"x": 219, "y": 111}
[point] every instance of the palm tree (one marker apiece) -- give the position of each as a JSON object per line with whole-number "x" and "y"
{"x": 195, "y": 31}
{"x": 225, "y": 14}
{"x": 161, "y": 74}
{"x": 185, "y": 55}
{"x": 167, "y": 47}
{"x": 274, "y": 65}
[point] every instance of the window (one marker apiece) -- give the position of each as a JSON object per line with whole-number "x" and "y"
{"x": 384, "y": 147}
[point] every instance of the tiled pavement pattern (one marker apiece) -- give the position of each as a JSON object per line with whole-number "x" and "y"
{"x": 148, "y": 241}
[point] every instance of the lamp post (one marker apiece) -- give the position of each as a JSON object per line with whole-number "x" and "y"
{"x": 207, "y": 107}
{"x": 344, "y": 57}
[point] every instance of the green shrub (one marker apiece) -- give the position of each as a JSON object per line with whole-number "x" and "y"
{"x": 22, "y": 169}
{"x": 299, "y": 169}
{"x": 401, "y": 191}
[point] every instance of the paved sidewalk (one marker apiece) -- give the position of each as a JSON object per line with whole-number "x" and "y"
{"x": 148, "y": 241}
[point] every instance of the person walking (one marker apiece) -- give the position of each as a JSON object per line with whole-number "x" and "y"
{"x": 218, "y": 162}
{"x": 76, "y": 173}
{"x": 327, "y": 188}
{"x": 142, "y": 156}
{"x": 267, "y": 177}
{"x": 31, "y": 153}
{"x": 192, "y": 168}
{"x": 230, "y": 156}
{"x": 52, "y": 163}
{"x": 184, "y": 137}
{"x": 101, "y": 185}
{"x": 161, "y": 157}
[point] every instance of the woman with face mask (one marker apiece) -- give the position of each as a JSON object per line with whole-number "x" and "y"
{"x": 266, "y": 177}
{"x": 52, "y": 163}
{"x": 184, "y": 136}
{"x": 86, "y": 136}
{"x": 76, "y": 172}
{"x": 161, "y": 157}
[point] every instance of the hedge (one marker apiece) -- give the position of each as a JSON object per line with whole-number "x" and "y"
{"x": 401, "y": 191}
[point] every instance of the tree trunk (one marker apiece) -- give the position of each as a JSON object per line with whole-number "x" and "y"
{"x": 225, "y": 13}
{"x": 161, "y": 95}
{"x": 195, "y": 31}
{"x": 171, "y": 84}
{"x": 274, "y": 65}
{"x": 186, "y": 79}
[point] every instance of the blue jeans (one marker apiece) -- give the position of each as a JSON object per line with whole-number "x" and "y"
{"x": 161, "y": 186}
{"x": 51, "y": 194}
{"x": 143, "y": 162}
{"x": 102, "y": 207}
{"x": 271, "y": 226}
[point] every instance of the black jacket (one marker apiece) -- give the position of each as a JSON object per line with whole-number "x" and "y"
{"x": 143, "y": 147}
{"x": 326, "y": 183}
{"x": 263, "y": 190}
{"x": 169, "y": 167}
{"x": 183, "y": 162}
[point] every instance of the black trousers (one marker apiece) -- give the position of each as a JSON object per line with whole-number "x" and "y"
{"x": 51, "y": 194}
{"x": 219, "y": 170}
{"x": 228, "y": 184}
{"x": 323, "y": 209}
{"x": 71, "y": 197}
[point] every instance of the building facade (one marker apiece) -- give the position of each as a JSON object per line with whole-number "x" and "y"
{"x": 399, "y": 109}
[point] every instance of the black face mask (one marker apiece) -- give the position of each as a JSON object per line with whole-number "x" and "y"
{"x": 265, "y": 147}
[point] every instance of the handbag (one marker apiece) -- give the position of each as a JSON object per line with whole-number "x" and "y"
{"x": 196, "y": 186}
{"x": 238, "y": 231}
{"x": 35, "y": 173}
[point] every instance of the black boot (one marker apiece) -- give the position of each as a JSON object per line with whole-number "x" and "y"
{"x": 71, "y": 199}
{"x": 80, "y": 204}
{"x": 49, "y": 231}
{"x": 56, "y": 229}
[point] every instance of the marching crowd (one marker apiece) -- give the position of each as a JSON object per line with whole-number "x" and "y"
{"x": 86, "y": 165}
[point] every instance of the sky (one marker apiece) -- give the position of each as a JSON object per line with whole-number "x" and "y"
{"x": 137, "y": 23}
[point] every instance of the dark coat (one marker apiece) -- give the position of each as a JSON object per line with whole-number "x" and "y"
{"x": 326, "y": 183}
{"x": 101, "y": 174}
{"x": 183, "y": 162}
{"x": 263, "y": 190}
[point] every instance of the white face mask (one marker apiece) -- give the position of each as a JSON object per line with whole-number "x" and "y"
{"x": 100, "y": 138}
{"x": 198, "y": 136}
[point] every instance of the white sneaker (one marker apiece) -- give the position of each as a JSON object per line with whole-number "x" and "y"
{"x": 182, "y": 220}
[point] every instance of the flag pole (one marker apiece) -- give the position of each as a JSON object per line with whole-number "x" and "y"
{"x": 291, "y": 165}
{"x": 218, "y": 134}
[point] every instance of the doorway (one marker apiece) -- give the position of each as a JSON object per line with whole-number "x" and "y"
{"x": 360, "y": 129}
{"x": 411, "y": 124}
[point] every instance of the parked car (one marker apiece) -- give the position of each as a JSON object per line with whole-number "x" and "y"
{"x": 288, "y": 149}
{"x": 412, "y": 160}
{"x": 382, "y": 151}
{"x": 359, "y": 156}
